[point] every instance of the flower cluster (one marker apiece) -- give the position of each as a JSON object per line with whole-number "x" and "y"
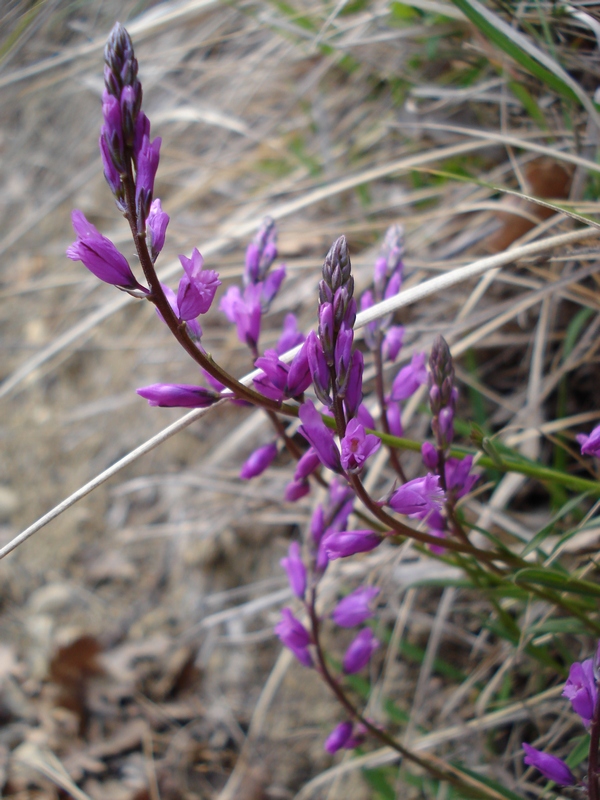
{"x": 130, "y": 159}
{"x": 335, "y": 428}
{"x": 581, "y": 689}
{"x": 245, "y": 309}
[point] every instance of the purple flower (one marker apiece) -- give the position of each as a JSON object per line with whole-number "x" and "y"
{"x": 272, "y": 381}
{"x": 296, "y": 490}
{"x": 458, "y": 479}
{"x": 290, "y": 335}
{"x": 338, "y": 737}
{"x": 590, "y": 445}
{"x": 193, "y": 325}
{"x": 299, "y": 377}
{"x": 307, "y": 464}
{"x": 363, "y": 415}
{"x": 418, "y": 497}
{"x": 259, "y": 461}
{"x": 271, "y": 285}
{"x": 392, "y": 343}
{"x": 353, "y": 397}
{"x": 261, "y": 252}
{"x": 100, "y": 255}
{"x": 360, "y": 651}
{"x": 278, "y": 379}
{"x": 354, "y": 609}
{"x": 319, "y": 370}
{"x": 245, "y": 312}
{"x": 147, "y": 164}
{"x": 581, "y": 689}
{"x": 177, "y": 395}
{"x": 294, "y": 636}
{"x": 551, "y": 767}
{"x": 156, "y": 226}
{"x": 142, "y": 131}
{"x": 112, "y": 130}
{"x": 343, "y": 358}
{"x": 296, "y": 571}
{"x": 319, "y": 436}
{"x": 408, "y": 380}
{"x": 341, "y": 544}
{"x": 393, "y": 415}
{"x": 197, "y": 287}
{"x": 111, "y": 173}
{"x": 429, "y": 454}
{"x": 357, "y": 446}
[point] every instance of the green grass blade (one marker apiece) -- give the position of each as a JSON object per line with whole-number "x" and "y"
{"x": 526, "y": 54}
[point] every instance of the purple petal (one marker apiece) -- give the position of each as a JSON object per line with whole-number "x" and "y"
{"x": 177, "y": 395}
{"x": 551, "y": 767}
{"x": 360, "y": 651}
{"x": 259, "y": 461}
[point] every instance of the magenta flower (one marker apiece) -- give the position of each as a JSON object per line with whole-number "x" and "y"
{"x": 551, "y": 767}
{"x": 278, "y": 379}
{"x": 319, "y": 436}
{"x": 392, "y": 343}
{"x": 261, "y": 252}
{"x": 318, "y": 368}
{"x": 363, "y": 415}
{"x": 296, "y": 490}
{"x": 418, "y": 497}
{"x": 245, "y": 312}
{"x": 355, "y": 608}
{"x": 156, "y": 226}
{"x": 193, "y": 325}
{"x": 290, "y": 335}
{"x": 294, "y": 636}
{"x": 259, "y": 461}
{"x": 296, "y": 571}
{"x": 353, "y": 392}
{"x": 408, "y": 380}
{"x": 146, "y": 166}
{"x": 307, "y": 464}
{"x": 341, "y": 544}
{"x": 338, "y": 737}
{"x": 271, "y": 285}
{"x": 360, "y": 651}
{"x": 393, "y": 415}
{"x": 357, "y": 446}
{"x": 299, "y": 377}
{"x": 100, "y": 255}
{"x": 429, "y": 454}
{"x": 458, "y": 477}
{"x": 111, "y": 173}
{"x": 581, "y": 689}
{"x": 590, "y": 445}
{"x": 177, "y": 395}
{"x": 272, "y": 381}
{"x": 197, "y": 287}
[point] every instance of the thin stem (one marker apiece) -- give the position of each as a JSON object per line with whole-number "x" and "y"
{"x": 439, "y": 770}
{"x": 178, "y": 328}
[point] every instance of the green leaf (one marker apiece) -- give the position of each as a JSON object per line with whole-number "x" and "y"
{"x": 529, "y": 103}
{"x": 553, "y": 579}
{"x": 580, "y": 751}
{"x": 560, "y": 625}
{"x": 378, "y": 780}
